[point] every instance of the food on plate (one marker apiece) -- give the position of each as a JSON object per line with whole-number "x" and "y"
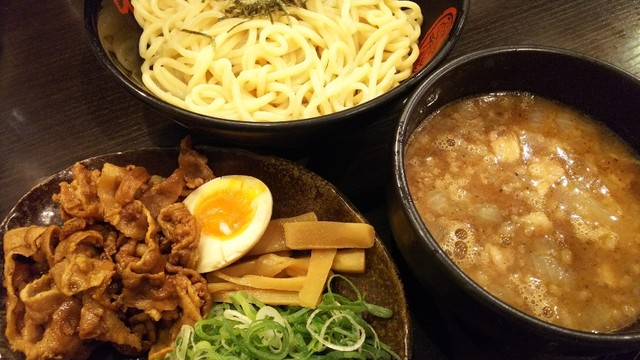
{"x": 268, "y": 60}
{"x": 328, "y": 235}
{"x": 537, "y": 203}
{"x": 233, "y": 212}
{"x": 120, "y": 269}
{"x": 273, "y": 238}
{"x": 122, "y": 266}
{"x": 295, "y": 269}
{"x": 245, "y": 328}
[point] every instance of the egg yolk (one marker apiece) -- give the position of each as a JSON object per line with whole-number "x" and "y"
{"x": 226, "y": 213}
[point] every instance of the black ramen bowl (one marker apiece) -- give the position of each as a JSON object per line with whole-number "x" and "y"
{"x": 595, "y": 88}
{"x": 442, "y": 24}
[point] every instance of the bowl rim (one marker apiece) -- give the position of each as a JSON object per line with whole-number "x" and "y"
{"x": 470, "y": 287}
{"x": 92, "y": 8}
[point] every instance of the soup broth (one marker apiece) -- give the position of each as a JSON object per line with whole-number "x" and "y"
{"x": 537, "y": 203}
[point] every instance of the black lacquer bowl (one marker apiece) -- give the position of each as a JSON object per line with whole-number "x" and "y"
{"x": 598, "y": 89}
{"x": 295, "y": 190}
{"x": 443, "y": 21}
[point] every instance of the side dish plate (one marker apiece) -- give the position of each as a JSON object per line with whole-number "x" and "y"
{"x": 295, "y": 190}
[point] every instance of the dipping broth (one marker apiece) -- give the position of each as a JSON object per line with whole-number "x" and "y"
{"x": 537, "y": 203}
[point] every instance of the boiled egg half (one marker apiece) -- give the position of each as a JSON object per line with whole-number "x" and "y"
{"x": 233, "y": 212}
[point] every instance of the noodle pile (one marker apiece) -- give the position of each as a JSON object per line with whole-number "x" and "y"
{"x": 314, "y": 60}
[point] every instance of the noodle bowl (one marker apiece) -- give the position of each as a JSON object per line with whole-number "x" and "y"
{"x": 314, "y": 60}
{"x": 114, "y": 35}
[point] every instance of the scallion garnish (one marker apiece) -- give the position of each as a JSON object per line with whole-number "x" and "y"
{"x": 245, "y": 328}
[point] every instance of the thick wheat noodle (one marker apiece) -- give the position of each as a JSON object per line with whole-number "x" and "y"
{"x": 325, "y": 57}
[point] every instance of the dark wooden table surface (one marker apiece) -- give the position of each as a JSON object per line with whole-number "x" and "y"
{"x": 58, "y": 105}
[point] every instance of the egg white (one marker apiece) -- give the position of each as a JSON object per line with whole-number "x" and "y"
{"x": 216, "y": 252}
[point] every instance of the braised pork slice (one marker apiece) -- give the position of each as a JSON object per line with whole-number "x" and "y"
{"x": 163, "y": 192}
{"x": 42, "y": 322}
{"x": 193, "y": 165}
{"x": 80, "y": 198}
{"x": 118, "y": 271}
{"x": 181, "y": 235}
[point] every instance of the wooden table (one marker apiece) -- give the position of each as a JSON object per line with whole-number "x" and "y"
{"x": 58, "y": 105}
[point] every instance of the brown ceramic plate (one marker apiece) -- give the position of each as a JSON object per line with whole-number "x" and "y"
{"x": 295, "y": 190}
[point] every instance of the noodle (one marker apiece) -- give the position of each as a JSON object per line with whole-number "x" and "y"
{"x": 323, "y": 58}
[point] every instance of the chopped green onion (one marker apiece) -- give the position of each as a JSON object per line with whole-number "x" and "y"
{"x": 246, "y": 328}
